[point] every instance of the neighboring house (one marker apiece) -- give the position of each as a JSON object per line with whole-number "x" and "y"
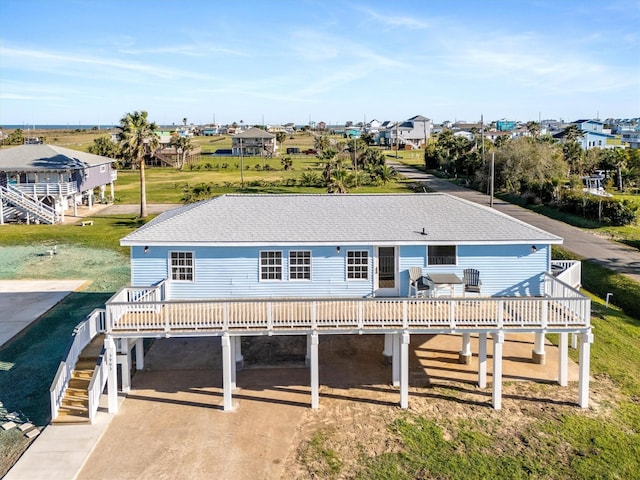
{"x": 594, "y": 135}
{"x": 246, "y": 265}
{"x": 254, "y": 142}
{"x": 505, "y": 125}
{"x": 39, "y": 183}
{"x": 631, "y": 138}
{"x": 413, "y": 133}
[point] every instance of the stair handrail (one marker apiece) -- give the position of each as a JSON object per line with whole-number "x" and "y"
{"x": 97, "y": 383}
{"x": 82, "y": 335}
{"x": 19, "y": 199}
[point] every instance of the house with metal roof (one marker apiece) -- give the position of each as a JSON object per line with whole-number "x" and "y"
{"x": 39, "y": 183}
{"x": 392, "y": 265}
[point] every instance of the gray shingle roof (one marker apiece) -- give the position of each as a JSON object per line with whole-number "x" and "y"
{"x": 254, "y": 132}
{"x": 40, "y": 158}
{"x": 335, "y": 219}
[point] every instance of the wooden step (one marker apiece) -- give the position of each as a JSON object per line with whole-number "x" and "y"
{"x": 86, "y": 364}
{"x": 71, "y": 401}
{"x": 73, "y": 410}
{"x": 79, "y": 383}
{"x": 77, "y": 392}
{"x": 68, "y": 419}
{"x": 82, "y": 374}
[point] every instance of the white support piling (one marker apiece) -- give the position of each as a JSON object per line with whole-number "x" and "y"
{"x": 226, "y": 373}
{"x": 124, "y": 360}
{"x": 464, "y": 356}
{"x": 538, "y": 354}
{"x": 112, "y": 375}
{"x": 387, "y": 353}
{"x": 404, "y": 340}
{"x": 498, "y": 341}
{"x": 239, "y": 357}
{"x": 232, "y": 348}
{"x": 315, "y": 374}
{"x": 586, "y": 339}
{"x": 482, "y": 360}
{"x": 395, "y": 360}
{"x": 563, "y": 359}
{"x": 139, "y": 353}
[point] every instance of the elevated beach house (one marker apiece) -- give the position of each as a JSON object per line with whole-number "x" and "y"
{"x": 39, "y": 183}
{"x": 392, "y": 265}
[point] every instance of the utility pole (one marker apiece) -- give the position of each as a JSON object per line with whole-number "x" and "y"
{"x": 241, "y": 166}
{"x": 491, "y": 183}
{"x": 396, "y": 140}
{"x": 355, "y": 158}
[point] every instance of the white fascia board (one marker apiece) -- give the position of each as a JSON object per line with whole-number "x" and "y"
{"x": 140, "y": 243}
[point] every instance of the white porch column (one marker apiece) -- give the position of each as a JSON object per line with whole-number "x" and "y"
{"x": 395, "y": 360}
{"x": 238, "y": 357}
{"x": 388, "y": 348}
{"x": 315, "y": 374}
{"x": 90, "y": 199}
{"x": 307, "y": 357}
{"x": 1, "y": 210}
{"x": 563, "y": 359}
{"x": 112, "y": 375}
{"x": 498, "y": 340}
{"x": 112, "y": 192}
{"x": 62, "y": 205}
{"x": 586, "y": 339}
{"x": 139, "y": 354}
{"x": 482, "y": 360}
{"x": 75, "y": 206}
{"x": 538, "y": 355}
{"x": 464, "y": 355}
{"x": 404, "y": 339}
{"x": 226, "y": 372}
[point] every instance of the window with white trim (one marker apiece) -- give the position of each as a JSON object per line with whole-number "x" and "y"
{"x": 103, "y": 168}
{"x": 357, "y": 265}
{"x": 271, "y": 265}
{"x": 299, "y": 265}
{"x": 442, "y": 255}
{"x": 182, "y": 266}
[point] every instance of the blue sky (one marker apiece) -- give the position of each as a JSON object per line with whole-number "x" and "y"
{"x": 90, "y": 62}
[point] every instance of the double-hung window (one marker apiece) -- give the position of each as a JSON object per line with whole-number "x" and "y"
{"x": 299, "y": 265}
{"x": 271, "y": 265}
{"x": 182, "y": 266}
{"x": 357, "y": 265}
{"x": 442, "y": 255}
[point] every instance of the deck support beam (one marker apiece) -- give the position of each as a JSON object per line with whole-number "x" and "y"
{"x": 315, "y": 374}
{"x": 226, "y": 373}
{"x": 404, "y": 339}
{"x": 482, "y": 360}
{"x": 563, "y": 359}
{"x": 538, "y": 355}
{"x": 586, "y": 339}
{"x": 464, "y": 356}
{"x": 124, "y": 360}
{"x": 498, "y": 341}
{"x": 139, "y": 354}
{"x": 395, "y": 360}
{"x": 232, "y": 353}
{"x": 112, "y": 375}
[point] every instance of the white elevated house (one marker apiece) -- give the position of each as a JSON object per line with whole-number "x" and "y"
{"x": 413, "y": 133}
{"x": 313, "y": 265}
{"x": 39, "y": 183}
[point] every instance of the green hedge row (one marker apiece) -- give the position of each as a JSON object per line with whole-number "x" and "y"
{"x": 604, "y": 209}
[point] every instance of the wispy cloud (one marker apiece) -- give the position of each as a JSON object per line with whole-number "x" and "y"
{"x": 391, "y": 20}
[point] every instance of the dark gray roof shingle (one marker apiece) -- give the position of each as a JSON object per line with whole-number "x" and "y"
{"x": 41, "y": 157}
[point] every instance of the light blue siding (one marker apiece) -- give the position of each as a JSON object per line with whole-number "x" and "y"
{"x": 233, "y": 272}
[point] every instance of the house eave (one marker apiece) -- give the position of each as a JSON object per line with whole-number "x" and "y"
{"x": 531, "y": 241}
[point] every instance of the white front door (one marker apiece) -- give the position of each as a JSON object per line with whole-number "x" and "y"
{"x": 386, "y": 272}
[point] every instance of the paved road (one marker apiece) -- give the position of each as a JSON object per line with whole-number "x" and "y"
{"x": 616, "y": 256}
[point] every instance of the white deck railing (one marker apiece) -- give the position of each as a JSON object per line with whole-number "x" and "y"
{"x": 569, "y": 272}
{"x": 83, "y": 333}
{"x": 562, "y": 309}
{"x": 39, "y": 190}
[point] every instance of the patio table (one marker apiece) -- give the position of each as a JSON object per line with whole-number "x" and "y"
{"x": 445, "y": 281}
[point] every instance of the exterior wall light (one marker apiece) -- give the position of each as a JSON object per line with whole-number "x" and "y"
{"x": 146, "y": 250}
{"x": 338, "y": 250}
{"x": 534, "y": 249}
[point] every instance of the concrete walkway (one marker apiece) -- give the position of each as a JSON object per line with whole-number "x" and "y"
{"x": 613, "y": 255}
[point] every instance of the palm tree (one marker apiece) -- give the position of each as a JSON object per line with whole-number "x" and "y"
{"x": 533, "y": 128}
{"x": 183, "y": 146}
{"x": 138, "y": 139}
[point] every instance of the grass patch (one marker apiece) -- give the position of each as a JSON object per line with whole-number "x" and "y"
{"x": 321, "y": 460}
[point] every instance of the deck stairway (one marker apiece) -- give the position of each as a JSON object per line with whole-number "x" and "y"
{"x": 75, "y": 404}
{"x": 32, "y": 209}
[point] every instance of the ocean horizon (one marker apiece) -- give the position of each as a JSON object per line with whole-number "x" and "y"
{"x": 30, "y": 127}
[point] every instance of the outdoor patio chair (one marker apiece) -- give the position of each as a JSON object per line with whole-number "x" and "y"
{"x": 472, "y": 282}
{"x": 419, "y": 283}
